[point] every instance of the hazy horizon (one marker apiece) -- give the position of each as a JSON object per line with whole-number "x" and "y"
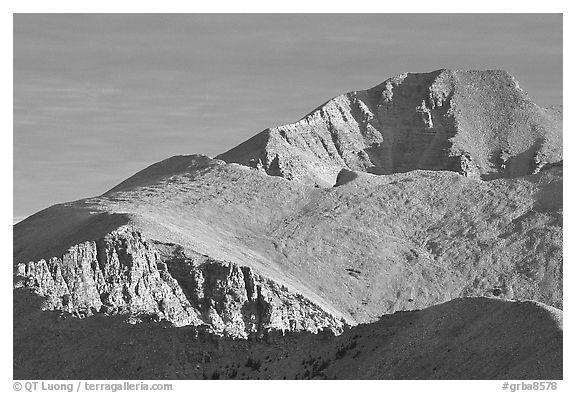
{"x": 100, "y": 97}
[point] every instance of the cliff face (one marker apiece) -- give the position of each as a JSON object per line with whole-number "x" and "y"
{"x": 478, "y": 123}
{"x": 125, "y": 274}
{"x": 236, "y": 301}
{"x": 120, "y": 273}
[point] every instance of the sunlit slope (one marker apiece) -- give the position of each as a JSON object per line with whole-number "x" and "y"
{"x": 371, "y": 245}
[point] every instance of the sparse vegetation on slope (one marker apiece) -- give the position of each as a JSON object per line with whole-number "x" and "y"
{"x": 474, "y": 338}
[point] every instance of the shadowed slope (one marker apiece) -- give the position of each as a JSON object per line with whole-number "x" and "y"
{"x": 472, "y": 338}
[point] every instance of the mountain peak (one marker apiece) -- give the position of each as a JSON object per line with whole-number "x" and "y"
{"x": 478, "y": 123}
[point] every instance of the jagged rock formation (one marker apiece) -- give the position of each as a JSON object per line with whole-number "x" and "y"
{"x": 235, "y": 301}
{"x": 478, "y": 123}
{"x": 116, "y": 274}
{"x": 123, "y": 273}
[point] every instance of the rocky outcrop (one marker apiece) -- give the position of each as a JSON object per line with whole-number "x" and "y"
{"x": 478, "y": 123}
{"x": 123, "y": 273}
{"x": 236, "y": 301}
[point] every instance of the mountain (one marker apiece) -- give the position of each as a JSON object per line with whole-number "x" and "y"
{"x": 478, "y": 123}
{"x": 407, "y": 213}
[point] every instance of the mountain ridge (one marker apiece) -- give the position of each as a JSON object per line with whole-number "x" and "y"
{"x": 448, "y": 120}
{"x": 431, "y": 221}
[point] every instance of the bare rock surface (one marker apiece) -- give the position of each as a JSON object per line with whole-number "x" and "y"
{"x": 478, "y": 123}
{"x": 123, "y": 273}
{"x": 117, "y": 273}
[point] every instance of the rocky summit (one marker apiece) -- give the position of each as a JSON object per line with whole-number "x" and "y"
{"x": 404, "y": 232}
{"x": 477, "y": 123}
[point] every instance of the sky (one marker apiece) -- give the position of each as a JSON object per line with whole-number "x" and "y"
{"x": 98, "y": 97}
